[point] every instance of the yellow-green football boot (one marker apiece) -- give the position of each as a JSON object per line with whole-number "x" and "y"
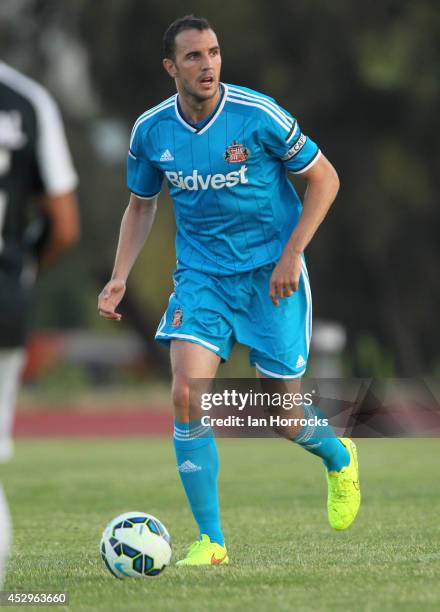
{"x": 205, "y": 552}
{"x": 344, "y": 495}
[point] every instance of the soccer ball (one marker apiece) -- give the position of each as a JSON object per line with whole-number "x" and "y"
{"x": 135, "y": 545}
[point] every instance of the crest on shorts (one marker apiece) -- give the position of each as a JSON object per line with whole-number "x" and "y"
{"x": 236, "y": 153}
{"x": 177, "y": 317}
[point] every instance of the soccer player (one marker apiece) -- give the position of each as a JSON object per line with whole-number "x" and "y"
{"x": 225, "y": 152}
{"x": 35, "y": 164}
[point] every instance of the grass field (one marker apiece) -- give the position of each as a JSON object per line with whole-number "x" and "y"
{"x": 283, "y": 554}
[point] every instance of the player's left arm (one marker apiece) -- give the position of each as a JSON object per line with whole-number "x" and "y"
{"x": 322, "y": 188}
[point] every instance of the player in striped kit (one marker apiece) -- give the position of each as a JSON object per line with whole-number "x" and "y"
{"x": 241, "y": 275}
{"x": 36, "y": 173}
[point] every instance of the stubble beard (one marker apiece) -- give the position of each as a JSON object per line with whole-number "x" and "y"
{"x": 197, "y": 97}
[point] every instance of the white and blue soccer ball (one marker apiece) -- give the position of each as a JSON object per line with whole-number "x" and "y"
{"x": 135, "y": 545}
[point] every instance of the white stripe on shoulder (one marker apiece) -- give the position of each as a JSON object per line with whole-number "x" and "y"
{"x": 53, "y": 153}
{"x": 287, "y": 122}
{"x": 294, "y": 131}
{"x": 267, "y": 110}
{"x": 260, "y": 98}
{"x": 147, "y": 115}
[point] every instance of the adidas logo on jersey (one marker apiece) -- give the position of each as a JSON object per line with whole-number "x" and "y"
{"x": 166, "y": 156}
{"x": 189, "y": 466}
{"x": 196, "y": 181}
{"x": 300, "y": 362}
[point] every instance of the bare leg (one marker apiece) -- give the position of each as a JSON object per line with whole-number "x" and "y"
{"x": 281, "y": 386}
{"x": 5, "y": 534}
{"x": 189, "y": 363}
{"x": 319, "y": 440}
{"x": 11, "y": 365}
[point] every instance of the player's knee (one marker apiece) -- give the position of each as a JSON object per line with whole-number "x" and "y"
{"x": 180, "y": 398}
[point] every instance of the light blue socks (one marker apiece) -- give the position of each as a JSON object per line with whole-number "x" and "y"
{"x": 321, "y": 440}
{"x": 197, "y": 462}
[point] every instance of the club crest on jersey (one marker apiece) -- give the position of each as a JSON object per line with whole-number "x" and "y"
{"x": 177, "y": 317}
{"x": 236, "y": 153}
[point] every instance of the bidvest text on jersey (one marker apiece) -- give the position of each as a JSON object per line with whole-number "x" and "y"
{"x": 196, "y": 181}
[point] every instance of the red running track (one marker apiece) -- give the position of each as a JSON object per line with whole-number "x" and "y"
{"x": 109, "y": 424}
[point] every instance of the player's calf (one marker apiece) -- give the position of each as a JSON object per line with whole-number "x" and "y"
{"x": 286, "y": 424}
{"x": 197, "y": 460}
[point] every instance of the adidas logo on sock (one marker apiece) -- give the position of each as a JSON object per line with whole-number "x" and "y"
{"x": 189, "y": 466}
{"x": 166, "y": 156}
{"x": 300, "y": 362}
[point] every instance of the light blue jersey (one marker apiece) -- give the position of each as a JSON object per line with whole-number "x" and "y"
{"x": 235, "y": 207}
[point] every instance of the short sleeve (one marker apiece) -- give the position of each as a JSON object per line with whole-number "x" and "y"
{"x": 143, "y": 178}
{"x": 55, "y": 165}
{"x": 283, "y": 138}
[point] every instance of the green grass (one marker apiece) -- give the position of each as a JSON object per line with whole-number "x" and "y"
{"x": 283, "y": 554}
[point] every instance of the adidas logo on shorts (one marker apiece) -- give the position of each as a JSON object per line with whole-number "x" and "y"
{"x": 300, "y": 362}
{"x": 166, "y": 156}
{"x": 189, "y": 466}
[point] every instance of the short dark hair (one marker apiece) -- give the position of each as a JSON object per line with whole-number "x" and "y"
{"x": 189, "y": 22}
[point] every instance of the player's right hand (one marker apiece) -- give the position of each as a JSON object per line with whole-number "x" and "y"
{"x": 109, "y": 299}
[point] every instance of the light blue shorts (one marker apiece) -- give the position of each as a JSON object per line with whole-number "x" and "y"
{"x": 216, "y": 312}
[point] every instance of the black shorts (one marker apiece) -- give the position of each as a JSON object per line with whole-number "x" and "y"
{"x": 15, "y": 303}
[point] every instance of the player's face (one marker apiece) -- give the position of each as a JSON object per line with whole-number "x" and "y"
{"x": 197, "y": 63}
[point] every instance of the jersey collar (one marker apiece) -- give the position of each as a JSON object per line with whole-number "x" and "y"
{"x": 207, "y": 125}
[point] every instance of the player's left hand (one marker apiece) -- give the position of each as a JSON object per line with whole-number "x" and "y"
{"x": 285, "y": 277}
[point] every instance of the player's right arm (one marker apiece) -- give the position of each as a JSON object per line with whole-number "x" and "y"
{"x": 135, "y": 227}
{"x": 144, "y": 181}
